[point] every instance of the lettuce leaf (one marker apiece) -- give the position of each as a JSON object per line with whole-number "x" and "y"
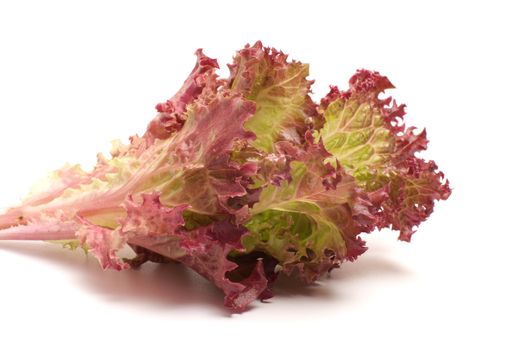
{"x": 284, "y": 110}
{"x": 244, "y": 178}
{"x": 311, "y": 222}
{"x": 367, "y": 136}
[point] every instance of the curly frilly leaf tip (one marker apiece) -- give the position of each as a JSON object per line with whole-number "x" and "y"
{"x": 244, "y": 178}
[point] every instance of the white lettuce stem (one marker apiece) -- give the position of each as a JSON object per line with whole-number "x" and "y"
{"x": 39, "y": 232}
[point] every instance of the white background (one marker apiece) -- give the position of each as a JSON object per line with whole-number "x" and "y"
{"x": 75, "y": 76}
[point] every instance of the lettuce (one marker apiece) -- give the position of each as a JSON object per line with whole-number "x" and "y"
{"x": 244, "y": 178}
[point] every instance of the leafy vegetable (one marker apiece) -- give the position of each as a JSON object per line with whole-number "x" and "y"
{"x": 244, "y": 178}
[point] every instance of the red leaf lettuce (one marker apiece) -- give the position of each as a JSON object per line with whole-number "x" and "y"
{"x": 244, "y": 178}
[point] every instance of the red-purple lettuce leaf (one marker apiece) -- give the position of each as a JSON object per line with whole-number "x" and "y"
{"x": 193, "y": 166}
{"x": 205, "y": 249}
{"x": 312, "y": 222}
{"x": 367, "y": 136}
{"x": 202, "y": 83}
{"x": 280, "y": 89}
